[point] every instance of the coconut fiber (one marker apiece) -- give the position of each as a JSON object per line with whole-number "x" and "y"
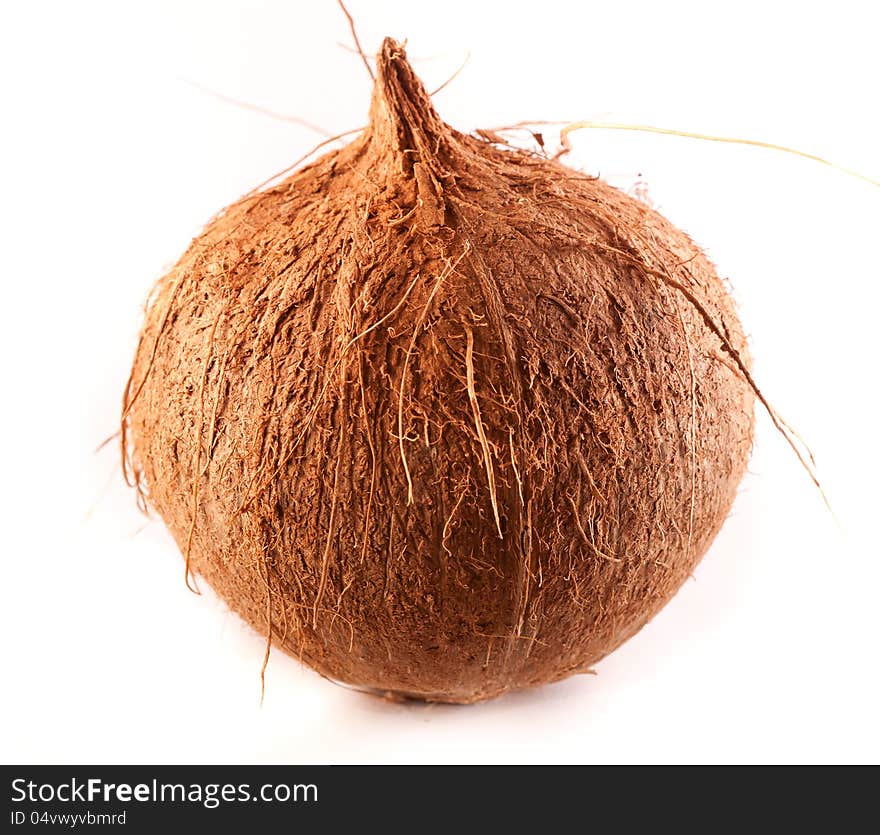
{"x": 441, "y": 418}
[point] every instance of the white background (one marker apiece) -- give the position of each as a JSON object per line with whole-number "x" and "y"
{"x": 113, "y": 159}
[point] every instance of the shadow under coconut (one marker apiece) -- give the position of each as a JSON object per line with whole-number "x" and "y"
{"x": 356, "y": 727}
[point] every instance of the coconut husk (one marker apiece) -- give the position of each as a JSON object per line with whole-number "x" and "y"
{"x": 439, "y": 417}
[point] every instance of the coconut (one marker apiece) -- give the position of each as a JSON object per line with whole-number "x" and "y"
{"x": 441, "y": 418}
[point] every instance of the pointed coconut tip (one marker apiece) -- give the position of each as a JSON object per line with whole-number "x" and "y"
{"x": 401, "y": 113}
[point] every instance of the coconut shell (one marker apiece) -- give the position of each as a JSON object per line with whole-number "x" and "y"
{"x": 440, "y": 418}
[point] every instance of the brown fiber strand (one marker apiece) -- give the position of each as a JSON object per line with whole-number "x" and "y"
{"x": 780, "y": 425}
{"x": 452, "y": 77}
{"x": 440, "y": 418}
{"x": 268, "y": 650}
{"x": 481, "y": 433}
{"x": 357, "y": 42}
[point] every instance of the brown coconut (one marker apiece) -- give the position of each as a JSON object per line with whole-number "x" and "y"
{"x": 442, "y": 419}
